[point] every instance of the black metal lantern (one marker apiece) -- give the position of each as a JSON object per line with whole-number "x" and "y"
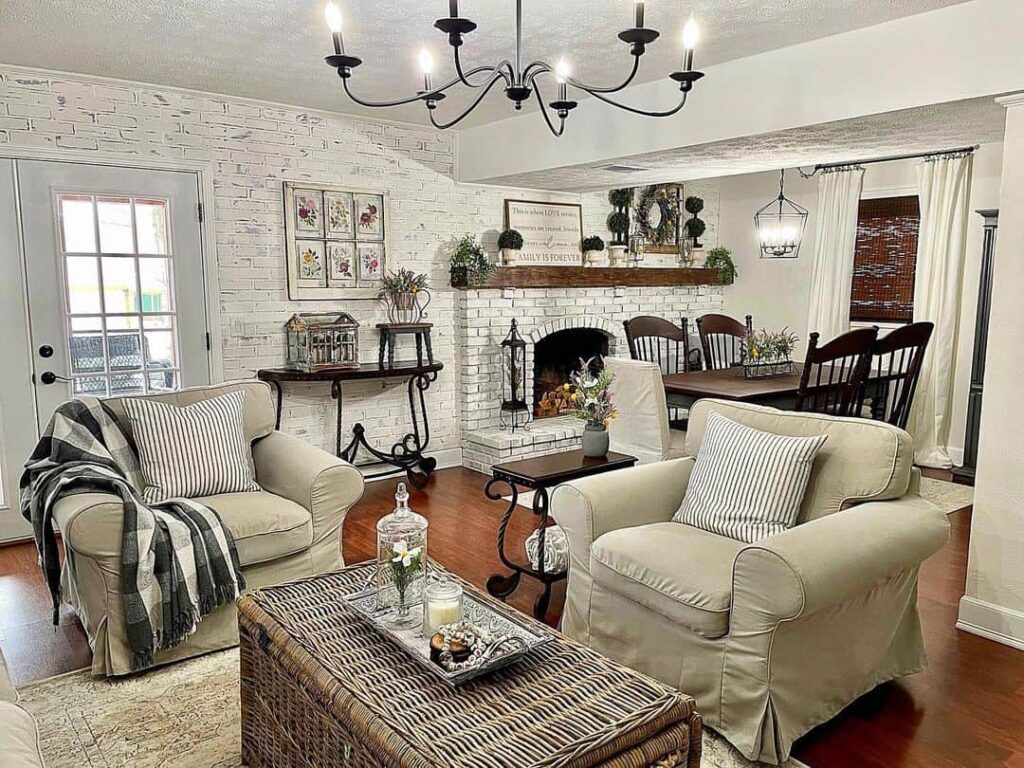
{"x": 780, "y": 226}
{"x": 515, "y": 413}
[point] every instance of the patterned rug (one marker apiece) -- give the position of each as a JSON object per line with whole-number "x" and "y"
{"x": 182, "y": 715}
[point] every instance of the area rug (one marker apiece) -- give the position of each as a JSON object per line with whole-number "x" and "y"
{"x": 949, "y": 497}
{"x": 182, "y": 715}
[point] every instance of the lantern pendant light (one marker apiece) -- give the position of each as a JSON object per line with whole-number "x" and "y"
{"x": 780, "y": 225}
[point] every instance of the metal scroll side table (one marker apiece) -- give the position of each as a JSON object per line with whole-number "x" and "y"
{"x": 407, "y": 455}
{"x": 539, "y": 475}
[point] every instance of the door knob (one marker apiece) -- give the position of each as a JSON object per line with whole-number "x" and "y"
{"x": 49, "y": 377}
{"x": 46, "y": 351}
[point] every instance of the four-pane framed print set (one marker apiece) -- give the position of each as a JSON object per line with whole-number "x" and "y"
{"x": 336, "y": 241}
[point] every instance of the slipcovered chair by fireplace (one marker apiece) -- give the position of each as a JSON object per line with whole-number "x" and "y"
{"x": 289, "y": 529}
{"x": 771, "y": 638}
{"x": 642, "y": 427}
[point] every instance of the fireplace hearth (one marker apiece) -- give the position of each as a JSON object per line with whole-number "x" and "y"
{"x": 554, "y": 358}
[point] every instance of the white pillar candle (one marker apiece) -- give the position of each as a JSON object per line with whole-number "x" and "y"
{"x": 442, "y": 604}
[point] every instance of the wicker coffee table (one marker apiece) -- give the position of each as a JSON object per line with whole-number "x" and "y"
{"x": 321, "y": 688}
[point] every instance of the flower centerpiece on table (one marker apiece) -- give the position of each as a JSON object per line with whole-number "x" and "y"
{"x": 766, "y": 353}
{"x": 592, "y": 402}
{"x": 404, "y": 295}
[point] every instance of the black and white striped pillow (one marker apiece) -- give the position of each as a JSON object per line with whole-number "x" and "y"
{"x": 747, "y": 484}
{"x": 192, "y": 450}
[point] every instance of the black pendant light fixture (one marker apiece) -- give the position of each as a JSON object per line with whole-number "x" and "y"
{"x": 780, "y": 225}
{"x": 520, "y": 81}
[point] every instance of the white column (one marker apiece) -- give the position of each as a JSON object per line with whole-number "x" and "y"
{"x": 993, "y": 605}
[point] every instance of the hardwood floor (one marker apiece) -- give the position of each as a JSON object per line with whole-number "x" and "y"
{"x": 967, "y": 710}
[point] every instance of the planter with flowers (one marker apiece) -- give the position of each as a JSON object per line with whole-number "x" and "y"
{"x": 404, "y": 295}
{"x": 766, "y": 354}
{"x": 592, "y": 402}
{"x": 593, "y": 247}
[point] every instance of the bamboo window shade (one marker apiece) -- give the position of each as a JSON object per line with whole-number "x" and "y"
{"x": 885, "y": 260}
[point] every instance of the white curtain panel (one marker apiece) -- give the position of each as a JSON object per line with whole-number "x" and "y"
{"x": 944, "y": 190}
{"x": 834, "y": 241}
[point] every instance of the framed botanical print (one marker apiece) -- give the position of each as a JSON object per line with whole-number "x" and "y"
{"x": 336, "y": 241}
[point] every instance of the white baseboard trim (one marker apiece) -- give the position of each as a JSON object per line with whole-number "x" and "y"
{"x": 447, "y": 458}
{"x": 994, "y": 622}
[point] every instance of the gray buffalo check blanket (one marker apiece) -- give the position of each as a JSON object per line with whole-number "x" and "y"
{"x": 178, "y": 560}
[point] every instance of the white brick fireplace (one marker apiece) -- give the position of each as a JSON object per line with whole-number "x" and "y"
{"x": 483, "y": 317}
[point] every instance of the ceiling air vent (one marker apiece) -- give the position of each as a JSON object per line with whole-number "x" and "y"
{"x": 617, "y": 168}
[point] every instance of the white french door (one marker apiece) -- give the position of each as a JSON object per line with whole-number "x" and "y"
{"x": 113, "y": 288}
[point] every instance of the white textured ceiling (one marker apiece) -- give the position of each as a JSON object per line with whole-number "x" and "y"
{"x": 273, "y": 49}
{"x": 924, "y": 129}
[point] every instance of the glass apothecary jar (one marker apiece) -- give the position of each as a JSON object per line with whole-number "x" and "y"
{"x": 442, "y": 604}
{"x": 401, "y": 562}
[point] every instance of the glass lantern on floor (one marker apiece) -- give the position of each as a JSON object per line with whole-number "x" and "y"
{"x": 402, "y": 562}
{"x": 514, "y": 413}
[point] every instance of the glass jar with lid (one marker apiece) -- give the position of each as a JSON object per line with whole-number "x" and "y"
{"x": 442, "y": 604}
{"x": 401, "y": 562}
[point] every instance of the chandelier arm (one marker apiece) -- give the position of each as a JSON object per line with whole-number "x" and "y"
{"x": 547, "y": 119}
{"x": 411, "y": 99}
{"x": 539, "y": 67}
{"x": 636, "y": 110}
{"x": 464, "y": 76}
{"x": 480, "y": 96}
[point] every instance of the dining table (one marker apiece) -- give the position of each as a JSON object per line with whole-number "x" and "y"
{"x": 682, "y": 390}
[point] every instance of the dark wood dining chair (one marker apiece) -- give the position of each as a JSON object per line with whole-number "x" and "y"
{"x": 834, "y": 374}
{"x": 661, "y": 341}
{"x": 666, "y": 344}
{"x": 721, "y": 338}
{"x": 896, "y": 360}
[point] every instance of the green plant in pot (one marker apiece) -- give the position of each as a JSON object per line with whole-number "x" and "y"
{"x": 694, "y": 227}
{"x": 592, "y": 246}
{"x": 404, "y": 295}
{"x": 618, "y": 223}
{"x": 721, "y": 259}
{"x": 510, "y": 242}
{"x": 469, "y": 265}
{"x": 592, "y": 402}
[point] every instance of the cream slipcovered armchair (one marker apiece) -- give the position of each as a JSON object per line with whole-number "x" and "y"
{"x": 773, "y": 637}
{"x": 290, "y": 529}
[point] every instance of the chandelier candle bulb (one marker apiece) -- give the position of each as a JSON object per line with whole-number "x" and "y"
{"x": 427, "y": 66}
{"x": 638, "y": 14}
{"x": 453, "y": 8}
{"x": 691, "y": 34}
{"x": 332, "y": 13}
{"x": 562, "y": 72}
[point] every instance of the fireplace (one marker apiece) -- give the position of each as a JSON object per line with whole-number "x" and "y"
{"x": 554, "y": 358}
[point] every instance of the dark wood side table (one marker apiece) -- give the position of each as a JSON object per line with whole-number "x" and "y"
{"x": 540, "y": 474}
{"x": 408, "y": 454}
{"x": 389, "y": 333}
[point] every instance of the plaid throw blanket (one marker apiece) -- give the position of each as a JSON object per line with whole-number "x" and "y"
{"x": 178, "y": 561}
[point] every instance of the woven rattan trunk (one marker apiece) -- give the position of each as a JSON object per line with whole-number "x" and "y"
{"x": 322, "y": 688}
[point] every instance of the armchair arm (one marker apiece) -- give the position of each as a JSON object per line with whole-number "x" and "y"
{"x": 312, "y": 478}
{"x": 588, "y": 508}
{"x": 91, "y": 524}
{"x": 826, "y": 561}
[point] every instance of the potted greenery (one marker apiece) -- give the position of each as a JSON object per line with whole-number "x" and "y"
{"x": 721, "y": 259}
{"x": 618, "y": 225}
{"x": 695, "y": 226}
{"x": 405, "y": 295}
{"x": 592, "y": 402}
{"x": 766, "y": 354}
{"x": 510, "y": 242}
{"x": 469, "y": 264}
{"x": 592, "y": 246}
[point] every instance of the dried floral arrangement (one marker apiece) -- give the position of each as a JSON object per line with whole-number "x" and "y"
{"x": 591, "y": 398}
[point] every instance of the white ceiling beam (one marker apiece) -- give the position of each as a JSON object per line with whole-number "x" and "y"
{"x": 960, "y": 52}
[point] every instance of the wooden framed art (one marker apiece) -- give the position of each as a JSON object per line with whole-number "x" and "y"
{"x": 552, "y": 232}
{"x": 336, "y": 241}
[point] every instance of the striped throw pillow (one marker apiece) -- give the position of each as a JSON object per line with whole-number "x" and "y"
{"x": 192, "y": 450}
{"x": 747, "y": 484}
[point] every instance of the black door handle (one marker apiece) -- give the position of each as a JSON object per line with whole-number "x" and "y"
{"x": 46, "y": 351}
{"x": 49, "y": 377}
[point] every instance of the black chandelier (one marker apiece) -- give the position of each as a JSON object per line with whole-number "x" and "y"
{"x": 520, "y": 81}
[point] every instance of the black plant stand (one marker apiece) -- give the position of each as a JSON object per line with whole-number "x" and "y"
{"x": 408, "y": 454}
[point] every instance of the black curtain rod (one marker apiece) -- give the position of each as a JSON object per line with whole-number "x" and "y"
{"x": 889, "y": 159}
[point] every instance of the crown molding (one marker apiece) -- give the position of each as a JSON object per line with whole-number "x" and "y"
{"x": 1011, "y": 100}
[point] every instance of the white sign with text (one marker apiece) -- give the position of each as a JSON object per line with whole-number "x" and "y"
{"x": 552, "y": 232}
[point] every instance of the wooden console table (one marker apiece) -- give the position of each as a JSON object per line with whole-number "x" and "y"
{"x": 406, "y": 455}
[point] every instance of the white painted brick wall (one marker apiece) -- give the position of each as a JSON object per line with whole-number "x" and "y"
{"x": 251, "y": 148}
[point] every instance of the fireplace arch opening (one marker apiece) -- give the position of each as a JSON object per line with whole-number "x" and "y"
{"x": 556, "y": 356}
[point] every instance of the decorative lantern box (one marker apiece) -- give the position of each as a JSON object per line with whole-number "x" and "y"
{"x": 514, "y": 411}
{"x": 320, "y": 341}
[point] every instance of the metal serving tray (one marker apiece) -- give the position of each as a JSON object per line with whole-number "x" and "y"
{"x": 498, "y": 621}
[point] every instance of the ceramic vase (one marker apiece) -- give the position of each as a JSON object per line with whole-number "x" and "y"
{"x": 595, "y": 441}
{"x": 616, "y": 255}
